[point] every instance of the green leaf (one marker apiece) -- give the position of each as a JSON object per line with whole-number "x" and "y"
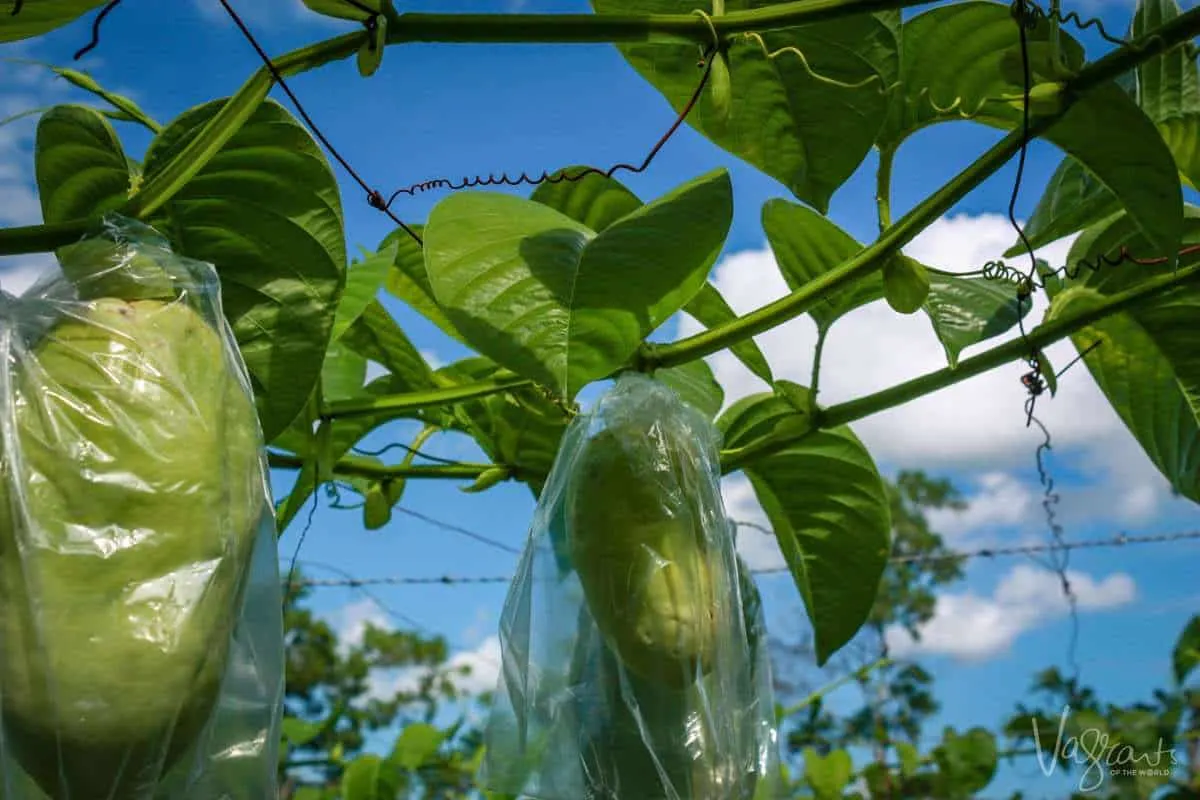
{"x": 128, "y": 109}
{"x": 967, "y": 311}
{"x": 549, "y": 298}
{"x": 417, "y": 744}
{"x": 265, "y": 210}
{"x": 363, "y": 281}
{"x": 408, "y": 280}
{"x": 80, "y": 165}
{"x": 369, "y": 777}
{"x": 806, "y": 246}
{"x": 709, "y": 308}
{"x": 1168, "y": 89}
{"x": 829, "y": 775}
{"x": 967, "y": 57}
{"x": 370, "y": 53}
{"x": 695, "y": 384}
{"x": 376, "y": 336}
{"x": 829, "y": 509}
{"x": 905, "y": 284}
{"x": 958, "y": 61}
{"x": 343, "y": 373}
{"x": 966, "y": 763}
{"x": 1072, "y": 201}
{"x": 520, "y": 428}
{"x": 770, "y": 122}
{"x": 42, "y": 16}
{"x": 1131, "y": 160}
{"x": 342, "y": 9}
{"x": 1146, "y": 364}
{"x": 298, "y": 733}
{"x": 1186, "y": 656}
{"x": 594, "y": 200}
{"x": 377, "y": 511}
{"x": 910, "y": 759}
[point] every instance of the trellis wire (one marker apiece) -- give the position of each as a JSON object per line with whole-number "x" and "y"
{"x": 1120, "y": 540}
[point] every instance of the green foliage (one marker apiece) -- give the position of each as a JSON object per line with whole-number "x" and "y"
{"x": 546, "y": 296}
{"x": 1145, "y": 363}
{"x": 42, "y": 16}
{"x": 828, "y": 508}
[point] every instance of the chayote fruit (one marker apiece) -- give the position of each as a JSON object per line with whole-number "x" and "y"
{"x": 132, "y": 490}
{"x": 636, "y": 538}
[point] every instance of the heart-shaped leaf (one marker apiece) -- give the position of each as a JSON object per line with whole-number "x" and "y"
{"x": 1073, "y": 200}
{"x": 598, "y": 201}
{"x": 827, "y": 775}
{"x": 370, "y": 777}
{"x": 41, "y": 16}
{"x": 967, "y": 311}
{"x": 1168, "y": 89}
{"x": 695, "y": 384}
{"x": 958, "y": 61}
{"x": 967, "y": 763}
{"x": 806, "y": 246}
{"x": 363, "y": 281}
{"x": 710, "y": 309}
{"x": 377, "y": 336}
{"x": 417, "y": 743}
{"x": 829, "y": 509}
{"x": 547, "y": 297}
{"x": 1146, "y": 362}
{"x": 520, "y": 428}
{"x": 267, "y": 213}
{"x": 595, "y": 200}
{"x": 841, "y": 67}
{"x": 408, "y": 280}
{"x": 964, "y": 61}
{"x": 81, "y": 167}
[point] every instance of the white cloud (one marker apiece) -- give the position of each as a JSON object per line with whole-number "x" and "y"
{"x": 968, "y": 627}
{"x": 432, "y": 358}
{"x": 977, "y": 424}
{"x": 352, "y": 620}
{"x": 268, "y": 11}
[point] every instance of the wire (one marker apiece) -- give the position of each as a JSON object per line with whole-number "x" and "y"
{"x": 1027, "y": 19}
{"x": 446, "y": 526}
{"x": 559, "y": 176}
{"x": 1120, "y": 540}
{"x": 374, "y": 198}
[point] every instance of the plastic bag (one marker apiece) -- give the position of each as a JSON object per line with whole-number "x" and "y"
{"x": 627, "y": 672}
{"x": 141, "y": 630}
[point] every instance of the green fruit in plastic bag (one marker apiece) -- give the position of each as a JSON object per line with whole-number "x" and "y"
{"x": 637, "y": 543}
{"x": 133, "y": 492}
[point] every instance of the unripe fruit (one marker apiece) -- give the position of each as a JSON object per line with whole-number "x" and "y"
{"x": 636, "y": 539}
{"x": 131, "y": 495}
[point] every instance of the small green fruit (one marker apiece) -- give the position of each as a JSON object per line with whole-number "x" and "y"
{"x": 132, "y": 491}
{"x": 636, "y": 540}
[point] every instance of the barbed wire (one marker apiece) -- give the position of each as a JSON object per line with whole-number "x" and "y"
{"x": 1119, "y": 540}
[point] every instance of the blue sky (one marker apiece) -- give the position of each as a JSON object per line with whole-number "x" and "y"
{"x": 454, "y": 110}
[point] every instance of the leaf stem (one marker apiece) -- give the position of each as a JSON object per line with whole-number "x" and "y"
{"x": 814, "y": 383}
{"x": 415, "y": 401}
{"x": 857, "y": 674}
{"x": 873, "y": 257}
{"x": 1015, "y": 350}
{"x": 883, "y": 187}
{"x": 356, "y": 466}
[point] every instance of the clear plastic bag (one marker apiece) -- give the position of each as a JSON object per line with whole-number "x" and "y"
{"x": 627, "y": 672}
{"x": 141, "y": 630}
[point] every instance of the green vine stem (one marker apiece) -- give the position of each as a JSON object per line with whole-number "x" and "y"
{"x": 883, "y": 187}
{"x": 415, "y": 401}
{"x": 355, "y": 466}
{"x": 873, "y": 257}
{"x": 1039, "y": 338}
